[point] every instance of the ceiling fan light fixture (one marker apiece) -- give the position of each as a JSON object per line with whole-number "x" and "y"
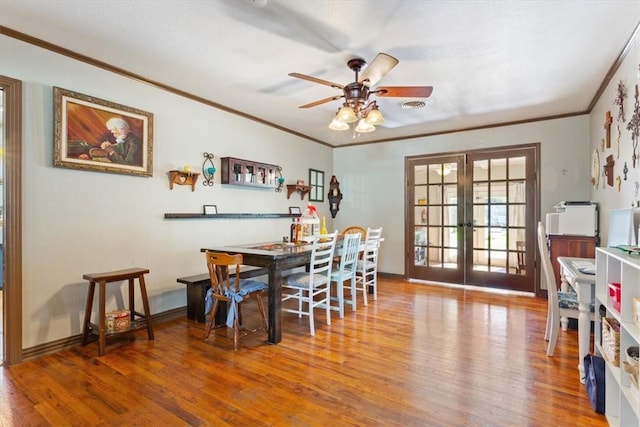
{"x": 364, "y": 127}
{"x": 375, "y": 117}
{"x": 346, "y": 115}
{"x": 338, "y": 125}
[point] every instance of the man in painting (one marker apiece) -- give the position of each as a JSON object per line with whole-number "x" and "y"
{"x": 127, "y": 149}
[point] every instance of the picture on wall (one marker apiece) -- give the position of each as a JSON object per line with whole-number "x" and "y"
{"x": 98, "y": 135}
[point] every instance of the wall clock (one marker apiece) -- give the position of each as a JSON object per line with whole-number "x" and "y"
{"x": 595, "y": 168}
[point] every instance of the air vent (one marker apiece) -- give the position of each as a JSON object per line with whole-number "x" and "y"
{"x": 413, "y": 104}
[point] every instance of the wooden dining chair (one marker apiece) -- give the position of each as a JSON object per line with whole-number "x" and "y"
{"x": 560, "y": 304}
{"x": 312, "y": 288}
{"x": 228, "y": 287}
{"x": 346, "y": 272}
{"x": 353, "y": 229}
{"x": 367, "y": 267}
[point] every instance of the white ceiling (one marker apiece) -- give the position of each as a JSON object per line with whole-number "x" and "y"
{"x": 489, "y": 62}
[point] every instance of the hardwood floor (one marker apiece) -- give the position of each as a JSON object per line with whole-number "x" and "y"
{"x": 422, "y": 355}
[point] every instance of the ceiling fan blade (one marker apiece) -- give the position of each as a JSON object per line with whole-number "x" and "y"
{"x": 321, "y": 101}
{"x": 316, "y": 80}
{"x": 380, "y": 66}
{"x": 404, "y": 91}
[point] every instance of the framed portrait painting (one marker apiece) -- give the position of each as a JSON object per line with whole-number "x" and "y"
{"x": 98, "y": 135}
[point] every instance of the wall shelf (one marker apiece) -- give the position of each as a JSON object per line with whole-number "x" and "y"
{"x": 249, "y": 173}
{"x": 228, "y": 215}
{"x": 302, "y": 189}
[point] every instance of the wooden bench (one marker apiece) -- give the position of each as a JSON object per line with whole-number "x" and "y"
{"x": 199, "y": 284}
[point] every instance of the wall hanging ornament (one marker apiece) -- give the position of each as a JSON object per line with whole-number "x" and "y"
{"x": 334, "y": 196}
{"x": 634, "y": 127}
{"x": 208, "y": 169}
{"x": 621, "y": 94}
{"x": 607, "y": 129}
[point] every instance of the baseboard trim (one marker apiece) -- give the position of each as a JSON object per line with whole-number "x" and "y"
{"x": 391, "y": 276}
{"x": 72, "y": 341}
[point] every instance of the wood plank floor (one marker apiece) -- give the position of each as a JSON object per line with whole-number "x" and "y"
{"x": 422, "y": 355}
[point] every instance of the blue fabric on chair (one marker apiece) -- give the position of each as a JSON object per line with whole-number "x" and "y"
{"x": 246, "y": 286}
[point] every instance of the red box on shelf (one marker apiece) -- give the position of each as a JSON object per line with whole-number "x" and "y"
{"x": 614, "y": 296}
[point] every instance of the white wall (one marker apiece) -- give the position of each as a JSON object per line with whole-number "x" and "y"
{"x": 372, "y": 176}
{"x": 78, "y": 222}
{"x": 609, "y": 197}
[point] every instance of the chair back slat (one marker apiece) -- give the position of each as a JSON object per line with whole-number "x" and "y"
{"x": 221, "y": 266}
{"x": 322, "y": 253}
{"x": 350, "y": 249}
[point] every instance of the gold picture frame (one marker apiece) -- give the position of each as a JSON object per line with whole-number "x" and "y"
{"x": 98, "y": 135}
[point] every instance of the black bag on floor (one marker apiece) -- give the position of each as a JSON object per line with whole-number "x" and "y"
{"x": 594, "y": 381}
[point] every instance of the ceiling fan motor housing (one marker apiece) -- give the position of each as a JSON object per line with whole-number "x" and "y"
{"x": 356, "y": 94}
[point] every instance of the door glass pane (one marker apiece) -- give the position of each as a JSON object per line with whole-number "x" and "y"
{"x": 420, "y": 215}
{"x": 420, "y": 175}
{"x": 498, "y": 261}
{"x": 435, "y": 195}
{"x": 480, "y": 168}
{"x": 516, "y": 215}
{"x": 451, "y": 237}
{"x": 480, "y": 192}
{"x": 434, "y": 236}
{"x": 420, "y": 195}
{"x": 435, "y": 215}
{"x": 480, "y": 260}
{"x": 498, "y": 238}
{"x": 498, "y": 169}
{"x": 435, "y": 173}
{"x": 449, "y": 172}
{"x": 451, "y": 260}
{"x": 517, "y": 192}
{"x": 517, "y": 168}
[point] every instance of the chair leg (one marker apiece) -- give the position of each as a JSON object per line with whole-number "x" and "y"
{"x": 312, "y": 328}
{"x": 364, "y": 288}
{"x": 553, "y": 336}
{"x": 263, "y": 312}
{"x": 340, "y": 291}
{"x": 236, "y": 332}
{"x": 354, "y": 293}
{"x": 327, "y": 302}
{"x": 212, "y": 318}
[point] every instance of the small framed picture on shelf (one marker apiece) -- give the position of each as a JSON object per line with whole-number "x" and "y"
{"x": 636, "y": 311}
{"x": 210, "y": 209}
{"x": 294, "y": 210}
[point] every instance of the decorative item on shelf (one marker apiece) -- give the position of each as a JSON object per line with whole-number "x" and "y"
{"x": 183, "y": 177}
{"x": 334, "y": 196}
{"x": 279, "y": 180}
{"x": 210, "y": 209}
{"x": 323, "y": 226}
{"x": 208, "y": 169}
{"x": 310, "y": 224}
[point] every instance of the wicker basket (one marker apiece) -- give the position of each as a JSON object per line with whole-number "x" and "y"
{"x": 611, "y": 340}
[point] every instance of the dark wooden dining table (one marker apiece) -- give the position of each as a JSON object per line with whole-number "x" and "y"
{"x": 276, "y": 258}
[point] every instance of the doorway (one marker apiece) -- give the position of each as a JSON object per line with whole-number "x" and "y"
{"x": 471, "y": 217}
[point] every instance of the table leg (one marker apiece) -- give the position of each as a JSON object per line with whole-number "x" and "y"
{"x": 584, "y": 325}
{"x": 564, "y": 287}
{"x": 87, "y": 313}
{"x": 275, "y": 305}
{"x": 101, "y": 318}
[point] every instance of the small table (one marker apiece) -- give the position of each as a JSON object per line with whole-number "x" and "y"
{"x": 102, "y": 279}
{"x": 584, "y": 285}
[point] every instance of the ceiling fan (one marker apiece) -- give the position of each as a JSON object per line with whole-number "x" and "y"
{"x": 356, "y": 94}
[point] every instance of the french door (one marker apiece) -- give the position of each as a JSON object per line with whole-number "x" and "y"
{"x": 471, "y": 217}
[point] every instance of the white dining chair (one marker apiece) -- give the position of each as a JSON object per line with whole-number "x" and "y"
{"x": 367, "y": 267}
{"x": 346, "y": 271}
{"x": 312, "y": 289}
{"x": 560, "y": 304}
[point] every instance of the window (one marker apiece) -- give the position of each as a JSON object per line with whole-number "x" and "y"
{"x": 316, "y": 181}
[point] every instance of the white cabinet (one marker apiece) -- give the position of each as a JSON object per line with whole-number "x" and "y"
{"x": 622, "y": 405}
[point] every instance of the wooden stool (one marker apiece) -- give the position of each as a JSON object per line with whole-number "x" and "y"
{"x": 115, "y": 276}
